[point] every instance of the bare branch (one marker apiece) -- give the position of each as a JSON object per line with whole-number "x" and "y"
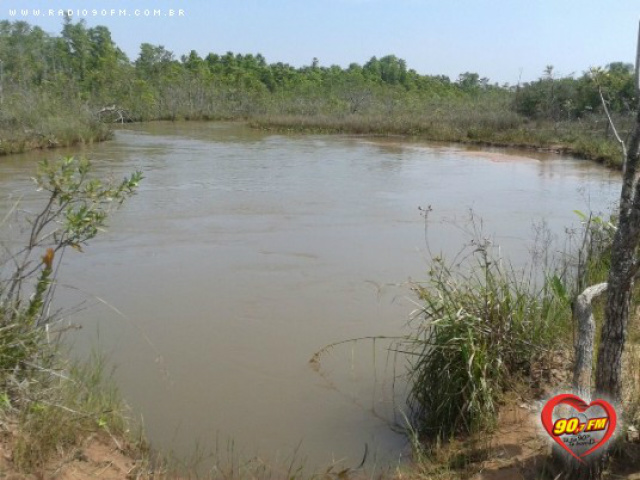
{"x": 613, "y": 126}
{"x": 638, "y": 65}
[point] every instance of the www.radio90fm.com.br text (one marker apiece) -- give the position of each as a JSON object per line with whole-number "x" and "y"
{"x": 95, "y": 12}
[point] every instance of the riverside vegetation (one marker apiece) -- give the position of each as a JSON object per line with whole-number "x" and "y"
{"x": 59, "y": 90}
{"x": 482, "y": 326}
{"x": 50, "y": 405}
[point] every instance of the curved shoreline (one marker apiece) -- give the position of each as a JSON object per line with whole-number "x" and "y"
{"x": 601, "y": 151}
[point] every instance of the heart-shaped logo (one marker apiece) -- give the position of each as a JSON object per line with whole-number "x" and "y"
{"x": 579, "y": 433}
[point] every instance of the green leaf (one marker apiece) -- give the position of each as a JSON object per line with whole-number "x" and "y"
{"x": 580, "y": 214}
{"x": 559, "y": 289}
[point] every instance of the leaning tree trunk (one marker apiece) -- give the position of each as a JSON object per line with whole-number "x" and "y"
{"x": 624, "y": 267}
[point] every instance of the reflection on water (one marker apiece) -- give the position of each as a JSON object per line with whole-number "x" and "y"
{"x": 244, "y": 253}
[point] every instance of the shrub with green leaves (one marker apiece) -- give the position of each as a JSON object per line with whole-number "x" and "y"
{"x": 76, "y": 208}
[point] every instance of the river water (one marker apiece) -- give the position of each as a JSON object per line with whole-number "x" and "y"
{"x": 245, "y": 252}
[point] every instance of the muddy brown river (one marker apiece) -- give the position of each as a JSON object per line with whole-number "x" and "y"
{"x": 244, "y": 253}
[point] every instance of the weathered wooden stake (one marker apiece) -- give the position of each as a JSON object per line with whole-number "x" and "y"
{"x": 583, "y": 314}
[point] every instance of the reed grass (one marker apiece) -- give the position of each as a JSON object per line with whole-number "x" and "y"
{"x": 480, "y": 328}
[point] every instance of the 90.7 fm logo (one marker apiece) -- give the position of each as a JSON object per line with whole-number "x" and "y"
{"x": 574, "y": 425}
{"x": 581, "y": 429}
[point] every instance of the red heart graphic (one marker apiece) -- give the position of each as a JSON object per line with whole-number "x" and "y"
{"x": 578, "y": 404}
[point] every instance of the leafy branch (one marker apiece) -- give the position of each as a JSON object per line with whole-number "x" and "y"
{"x": 76, "y": 210}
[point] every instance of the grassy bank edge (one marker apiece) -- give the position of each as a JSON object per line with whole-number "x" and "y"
{"x": 579, "y": 144}
{"x": 36, "y": 141}
{"x": 57, "y": 425}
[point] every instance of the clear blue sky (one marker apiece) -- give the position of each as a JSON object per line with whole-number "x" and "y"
{"x": 496, "y": 38}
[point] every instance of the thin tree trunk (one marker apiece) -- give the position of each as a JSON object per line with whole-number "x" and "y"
{"x": 614, "y": 330}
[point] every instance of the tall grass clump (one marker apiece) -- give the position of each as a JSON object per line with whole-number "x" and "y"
{"x": 480, "y": 327}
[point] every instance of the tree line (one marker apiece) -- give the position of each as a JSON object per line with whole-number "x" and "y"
{"x": 85, "y": 62}
{"x": 81, "y": 70}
